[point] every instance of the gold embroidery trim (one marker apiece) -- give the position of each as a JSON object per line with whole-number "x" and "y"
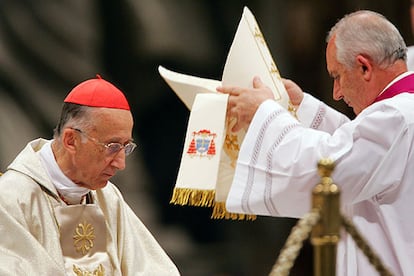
{"x": 83, "y": 237}
{"x": 292, "y": 109}
{"x": 231, "y": 148}
{"x": 99, "y": 271}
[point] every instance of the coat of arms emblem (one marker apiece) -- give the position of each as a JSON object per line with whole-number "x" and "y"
{"x": 202, "y": 144}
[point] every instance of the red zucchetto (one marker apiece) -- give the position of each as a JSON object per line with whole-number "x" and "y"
{"x": 97, "y": 93}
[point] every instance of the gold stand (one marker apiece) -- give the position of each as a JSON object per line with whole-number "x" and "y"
{"x": 323, "y": 223}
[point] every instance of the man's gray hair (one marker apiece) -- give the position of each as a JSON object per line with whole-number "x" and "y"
{"x": 75, "y": 116}
{"x": 370, "y": 34}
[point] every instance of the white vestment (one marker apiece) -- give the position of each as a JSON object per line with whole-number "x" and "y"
{"x": 374, "y": 158}
{"x": 30, "y": 242}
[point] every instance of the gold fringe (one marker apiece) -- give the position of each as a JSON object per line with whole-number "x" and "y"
{"x": 220, "y": 212}
{"x": 200, "y": 198}
{"x": 205, "y": 198}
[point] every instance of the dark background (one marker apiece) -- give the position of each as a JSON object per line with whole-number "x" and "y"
{"x": 47, "y": 47}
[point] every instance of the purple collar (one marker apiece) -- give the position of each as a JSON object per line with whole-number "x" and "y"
{"x": 405, "y": 84}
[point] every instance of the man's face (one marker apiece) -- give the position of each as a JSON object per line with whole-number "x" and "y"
{"x": 93, "y": 165}
{"x": 348, "y": 83}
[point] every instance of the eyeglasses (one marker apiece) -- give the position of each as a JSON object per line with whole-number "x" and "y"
{"x": 111, "y": 148}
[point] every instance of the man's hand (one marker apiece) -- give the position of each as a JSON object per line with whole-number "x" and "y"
{"x": 295, "y": 93}
{"x": 244, "y": 102}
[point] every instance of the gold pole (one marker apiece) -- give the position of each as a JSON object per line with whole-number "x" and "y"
{"x": 325, "y": 234}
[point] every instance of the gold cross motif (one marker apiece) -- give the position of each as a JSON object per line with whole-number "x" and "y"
{"x": 231, "y": 142}
{"x": 83, "y": 237}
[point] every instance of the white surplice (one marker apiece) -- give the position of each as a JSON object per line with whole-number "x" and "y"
{"x": 374, "y": 157}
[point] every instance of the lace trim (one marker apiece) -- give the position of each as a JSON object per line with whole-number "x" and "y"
{"x": 271, "y": 208}
{"x": 250, "y": 176}
{"x": 317, "y": 121}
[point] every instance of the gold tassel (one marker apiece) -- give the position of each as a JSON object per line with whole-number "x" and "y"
{"x": 192, "y": 197}
{"x": 220, "y": 212}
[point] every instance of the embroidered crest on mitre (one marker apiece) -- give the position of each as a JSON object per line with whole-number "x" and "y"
{"x": 202, "y": 144}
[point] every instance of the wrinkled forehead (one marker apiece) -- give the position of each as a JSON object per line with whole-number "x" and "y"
{"x": 105, "y": 119}
{"x": 331, "y": 58}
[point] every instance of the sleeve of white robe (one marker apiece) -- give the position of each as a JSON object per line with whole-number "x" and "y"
{"x": 277, "y": 164}
{"x": 315, "y": 114}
